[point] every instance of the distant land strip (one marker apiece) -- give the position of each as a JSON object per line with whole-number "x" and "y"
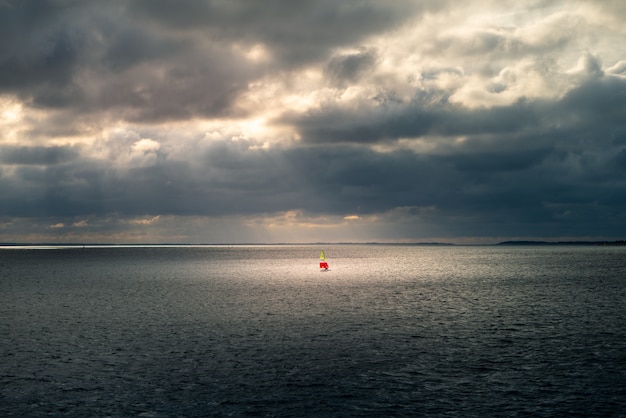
{"x": 621, "y": 242}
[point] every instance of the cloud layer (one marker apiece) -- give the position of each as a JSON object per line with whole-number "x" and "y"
{"x": 211, "y": 121}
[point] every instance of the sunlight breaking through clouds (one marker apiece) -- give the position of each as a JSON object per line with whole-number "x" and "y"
{"x": 335, "y": 121}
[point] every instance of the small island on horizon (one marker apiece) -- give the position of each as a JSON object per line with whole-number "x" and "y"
{"x": 620, "y": 242}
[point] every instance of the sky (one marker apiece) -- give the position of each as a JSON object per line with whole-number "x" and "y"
{"x": 235, "y": 121}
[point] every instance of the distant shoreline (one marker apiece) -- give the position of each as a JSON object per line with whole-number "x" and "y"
{"x": 621, "y": 242}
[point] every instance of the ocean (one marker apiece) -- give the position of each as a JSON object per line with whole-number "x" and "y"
{"x": 388, "y": 330}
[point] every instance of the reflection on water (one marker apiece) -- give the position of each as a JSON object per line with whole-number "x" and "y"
{"x": 388, "y": 330}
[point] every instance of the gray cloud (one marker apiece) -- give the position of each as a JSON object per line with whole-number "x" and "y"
{"x": 36, "y": 155}
{"x": 123, "y": 110}
{"x": 345, "y": 69}
{"x": 548, "y": 186}
{"x": 164, "y": 59}
{"x": 417, "y": 118}
{"x": 279, "y": 24}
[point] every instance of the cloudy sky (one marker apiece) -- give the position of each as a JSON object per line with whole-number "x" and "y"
{"x": 230, "y": 121}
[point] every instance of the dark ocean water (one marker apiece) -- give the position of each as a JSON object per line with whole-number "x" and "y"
{"x": 260, "y": 331}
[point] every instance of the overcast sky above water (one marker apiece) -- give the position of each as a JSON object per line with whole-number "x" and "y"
{"x": 300, "y": 121}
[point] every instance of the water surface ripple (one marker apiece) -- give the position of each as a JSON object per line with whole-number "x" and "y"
{"x": 240, "y": 331}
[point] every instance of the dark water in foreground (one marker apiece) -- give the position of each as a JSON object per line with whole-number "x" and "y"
{"x": 388, "y": 331}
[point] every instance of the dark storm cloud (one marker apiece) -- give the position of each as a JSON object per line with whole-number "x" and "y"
{"x": 40, "y": 50}
{"x": 338, "y": 126}
{"x": 598, "y": 99}
{"x": 513, "y": 190}
{"x": 15, "y": 155}
{"x": 50, "y": 63}
{"x": 345, "y": 69}
{"x": 152, "y": 60}
{"x": 279, "y": 24}
{"x": 620, "y": 158}
{"x": 420, "y": 117}
{"x": 231, "y": 181}
{"x": 549, "y": 163}
{"x": 494, "y": 162}
{"x": 478, "y": 132}
{"x": 88, "y": 57}
{"x": 35, "y": 47}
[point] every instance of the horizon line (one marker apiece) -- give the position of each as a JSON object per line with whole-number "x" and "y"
{"x": 417, "y": 243}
